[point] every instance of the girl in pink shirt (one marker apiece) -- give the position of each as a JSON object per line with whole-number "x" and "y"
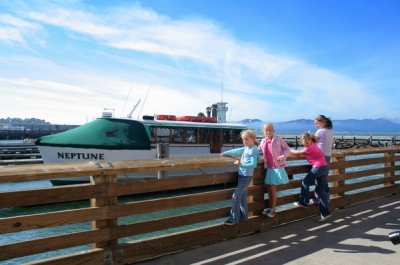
{"x": 317, "y": 176}
{"x": 275, "y": 151}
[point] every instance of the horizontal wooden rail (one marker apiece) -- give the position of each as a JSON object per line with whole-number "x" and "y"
{"x": 94, "y": 256}
{"x": 52, "y": 195}
{"x": 30, "y": 247}
{"x": 142, "y": 207}
{"x": 37, "y": 221}
{"x": 176, "y": 202}
{"x": 176, "y": 183}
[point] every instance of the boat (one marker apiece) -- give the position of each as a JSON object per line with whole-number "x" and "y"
{"x": 114, "y": 139}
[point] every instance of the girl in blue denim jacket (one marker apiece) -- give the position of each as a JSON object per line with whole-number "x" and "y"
{"x": 247, "y": 163}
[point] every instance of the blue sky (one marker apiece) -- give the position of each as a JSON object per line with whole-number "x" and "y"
{"x": 65, "y": 61}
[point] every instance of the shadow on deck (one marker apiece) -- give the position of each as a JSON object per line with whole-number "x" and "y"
{"x": 356, "y": 235}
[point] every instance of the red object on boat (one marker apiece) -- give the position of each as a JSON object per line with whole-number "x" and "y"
{"x": 185, "y": 118}
{"x": 166, "y": 117}
{"x": 209, "y": 119}
{"x": 196, "y": 119}
{"x": 189, "y": 118}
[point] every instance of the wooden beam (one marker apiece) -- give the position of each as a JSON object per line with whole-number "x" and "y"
{"x": 390, "y": 163}
{"x": 365, "y": 196}
{"x": 37, "y": 221}
{"x": 87, "y": 257}
{"x": 293, "y": 184}
{"x": 50, "y": 171}
{"x": 180, "y": 220}
{"x": 291, "y": 170}
{"x": 30, "y": 247}
{"x": 110, "y": 199}
{"x": 367, "y": 183}
{"x": 50, "y": 195}
{"x": 154, "y": 205}
{"x": 369, "y": 172}
{"x": 183, "y": 182}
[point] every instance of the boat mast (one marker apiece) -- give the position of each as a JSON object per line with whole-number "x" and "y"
{"x": 126, "y": 100}
{"x": 145, "y": 98}
{"x": 133, "y": 110}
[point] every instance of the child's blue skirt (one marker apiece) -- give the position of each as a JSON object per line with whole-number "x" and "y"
{"x": 276, "y": 176}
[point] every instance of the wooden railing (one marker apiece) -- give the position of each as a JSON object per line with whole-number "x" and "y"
{"x": 125, "y": 215}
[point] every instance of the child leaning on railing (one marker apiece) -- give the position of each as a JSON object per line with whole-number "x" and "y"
{"x": 317, "y": 176}
{"x": 247, "y": 163}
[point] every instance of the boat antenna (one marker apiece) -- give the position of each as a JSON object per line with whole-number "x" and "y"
{"x": 133, "y": 110}
{"x": 145, "y": 99}
{"x": 126, "y": 100}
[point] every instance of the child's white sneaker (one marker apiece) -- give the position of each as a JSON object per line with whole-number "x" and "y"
{"x": 271, "y": 213}
{"x": 322, "y": 218}
{"x": 266, "y": 211}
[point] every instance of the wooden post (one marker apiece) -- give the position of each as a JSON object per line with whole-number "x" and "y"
{"x": 340, "y": 172}
{"x": 106, "y": 198}
{"x": 162, "y": 152}
{"x": 389, "y": 157}
{"x": 258, "y": 181}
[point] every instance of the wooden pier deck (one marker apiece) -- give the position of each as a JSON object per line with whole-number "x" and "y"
{"x": 356, "y": 235}
{"x": 181, "y": 213}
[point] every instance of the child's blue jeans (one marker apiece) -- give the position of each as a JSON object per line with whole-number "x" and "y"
{"x": 318, "y": 177}
{"x": 239, "y": 211}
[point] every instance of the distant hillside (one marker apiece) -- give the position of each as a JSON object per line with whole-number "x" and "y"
{"x": 20, "y": 122}
{"x": 350, "y": 126}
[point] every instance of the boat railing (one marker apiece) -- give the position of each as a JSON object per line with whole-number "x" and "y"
{"x": 111, "y": 222}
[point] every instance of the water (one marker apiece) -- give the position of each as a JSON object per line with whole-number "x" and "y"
{"x": 67, "y": 229}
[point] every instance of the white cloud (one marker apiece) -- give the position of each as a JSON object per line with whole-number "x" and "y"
{"x": 14, "y": 29}
{"x": 75, "y": 20}
{"x": 257, "y": 83}
{"x": 9, "y": 34}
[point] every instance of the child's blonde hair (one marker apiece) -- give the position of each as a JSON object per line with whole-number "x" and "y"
{"x": 308, "y": 137}
{"x": 269, "y": 125}
{"x": 249, "y": 134}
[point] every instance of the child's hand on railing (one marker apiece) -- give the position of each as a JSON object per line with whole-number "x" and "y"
{"x": 237, "y": 162}
{"x": 281, "y": 159}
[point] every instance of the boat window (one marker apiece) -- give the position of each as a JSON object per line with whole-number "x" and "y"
{"x": 227, "y": 134}
{"x": 111, "y": 133}
{"x": 163, "y": 135}
{"x": 178, "y": 135}
{"x": 236, "y": 136}
{"x": 191, "y": 136}
{"x": 153, "y": 135}
{"x": 216, "y": 135}
{"x": 204, "y": 135}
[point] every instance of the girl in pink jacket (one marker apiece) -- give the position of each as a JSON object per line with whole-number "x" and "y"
{"x": 275, "y": 151}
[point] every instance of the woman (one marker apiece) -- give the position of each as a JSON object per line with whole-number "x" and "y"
{"x": 324, "y": 136}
